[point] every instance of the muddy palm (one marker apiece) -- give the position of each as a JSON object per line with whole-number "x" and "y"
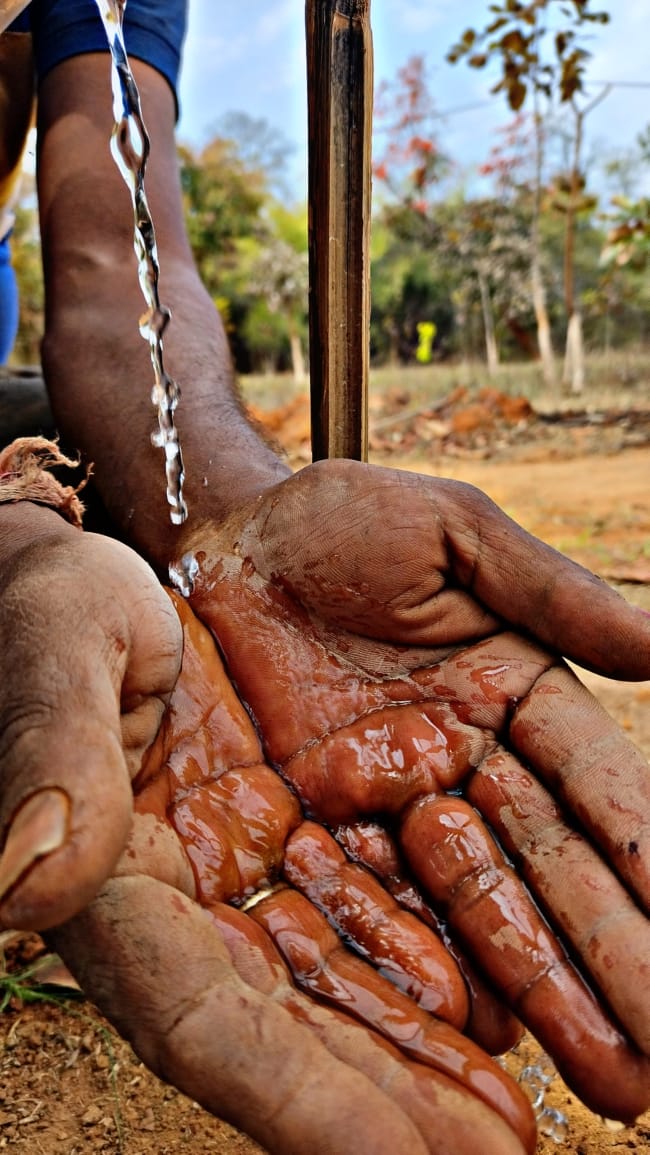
{"x": 369, "y": 740}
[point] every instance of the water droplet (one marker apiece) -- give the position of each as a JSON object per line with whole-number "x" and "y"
{"x": 130, "y": 150}
{"x": 546, "y": 1068}
{"x": 553, "y": 1125}
{"x": 178, "y": 515}
{"x": 183, "y": 575}
{"x": 533, "y": 1081}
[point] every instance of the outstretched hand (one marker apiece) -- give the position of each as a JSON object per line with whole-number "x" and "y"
{"x": 365, "y": 616}
{"x": 139, "y": 841}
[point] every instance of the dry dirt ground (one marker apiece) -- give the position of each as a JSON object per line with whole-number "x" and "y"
{"x": 67, "y": 1084}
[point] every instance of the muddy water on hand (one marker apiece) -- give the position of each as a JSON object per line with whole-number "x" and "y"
{"x": 130, "y": 149}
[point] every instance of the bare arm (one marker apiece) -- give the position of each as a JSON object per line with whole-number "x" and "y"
{"x": 97, "y": 365}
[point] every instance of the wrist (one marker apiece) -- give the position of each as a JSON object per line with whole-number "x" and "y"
{"x": 217, "y": 486}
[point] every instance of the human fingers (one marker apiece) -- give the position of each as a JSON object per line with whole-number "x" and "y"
{"x": 232, "y": 847}
{"x": 461, "y": 867}
{"x": 247, "y": 1046}
{"x": 90, "y": 648}
{"x": 364, "y": 914}
{"x": 572, "y": 744}
{"x": 579, "y": 812}
{"x": 490, "y": 1023}
{"x": 322, "y": 965}
{"x": 222, "y": 821}
{"x": 609, "y": 934}
{"x": 429, "y": 561}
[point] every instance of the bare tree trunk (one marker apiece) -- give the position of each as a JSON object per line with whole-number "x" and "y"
{"x": 574, "y": 360}
{"x": 491, "y": 347}
{"x": 573, "y": 376}
{"x": 297, "y": 356}
{"x": 538, "y": 292}
{"x": 459, "y": 302}
{"x": 544, "y": 341}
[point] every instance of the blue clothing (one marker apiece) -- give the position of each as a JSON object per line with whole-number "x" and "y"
{"x": 8, "y": 302}
{"x": 153, "y": 32}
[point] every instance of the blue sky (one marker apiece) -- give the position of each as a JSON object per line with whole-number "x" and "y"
{"x": 249, "y": 56}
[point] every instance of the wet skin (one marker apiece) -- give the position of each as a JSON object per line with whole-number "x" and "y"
{"x": 359, "y": 743}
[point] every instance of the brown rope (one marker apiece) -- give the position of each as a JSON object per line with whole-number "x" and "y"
{"x": 24, "y": 476}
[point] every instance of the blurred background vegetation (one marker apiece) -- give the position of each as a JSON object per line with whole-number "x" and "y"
{"x": 541, "y": 257}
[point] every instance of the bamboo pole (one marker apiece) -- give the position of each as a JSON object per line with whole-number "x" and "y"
{"x": 340, "y": 94}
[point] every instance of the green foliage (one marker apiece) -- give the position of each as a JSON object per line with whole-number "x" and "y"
{"x": 26, "y": 258}
{"x": 628, "y": 237}
{"x": 516, "y": 37}
{"x": 25, "y": 985}
{"x": 409, "y": 286}
{"x": 265, "y": 335}
{"x": 223, "y": 202}
{"x": 250, "y": 249}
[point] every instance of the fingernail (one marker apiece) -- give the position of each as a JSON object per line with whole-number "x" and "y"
{"x": 38, "y": 828}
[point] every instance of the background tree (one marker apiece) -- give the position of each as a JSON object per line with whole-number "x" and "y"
{"x": 261, "y": 147}
{"x": 628, "y": 237}
{"x": 408, "y": 162}
{"x": 26, "y": 257}
{"x": 409, "y": 284}
{"x": 516, "y": 39}
{"x": 249, "y": 249}
{"x": 508, "y": 161}
{"x": 279, "y": 276}
{"x": 223, "y": 201}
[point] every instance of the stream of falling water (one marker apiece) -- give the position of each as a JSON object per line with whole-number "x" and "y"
{"x": 130, "y": 149}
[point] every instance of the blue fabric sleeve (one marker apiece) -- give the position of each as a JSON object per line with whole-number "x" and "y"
{"x": 154, "y": 31}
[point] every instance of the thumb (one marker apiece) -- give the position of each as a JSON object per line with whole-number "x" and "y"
{"x": 61, "y": 843}
{"x": 65, "y": 791}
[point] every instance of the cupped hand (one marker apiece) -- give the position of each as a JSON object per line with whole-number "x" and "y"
{"x": 366, "y": 620}
{"x": 90, "y": 649}
{"x": 137, "y": 818}
{"x": 194, "y": 947}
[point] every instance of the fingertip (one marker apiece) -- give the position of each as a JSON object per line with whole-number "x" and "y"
{"x": 39, "y": 827}
{"x": 50, "y": 870}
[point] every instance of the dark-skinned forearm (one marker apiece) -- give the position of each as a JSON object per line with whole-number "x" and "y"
{"x": 97, "y": 366}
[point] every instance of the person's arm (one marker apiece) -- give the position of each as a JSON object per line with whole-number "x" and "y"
{"x": 97, "y": 366}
